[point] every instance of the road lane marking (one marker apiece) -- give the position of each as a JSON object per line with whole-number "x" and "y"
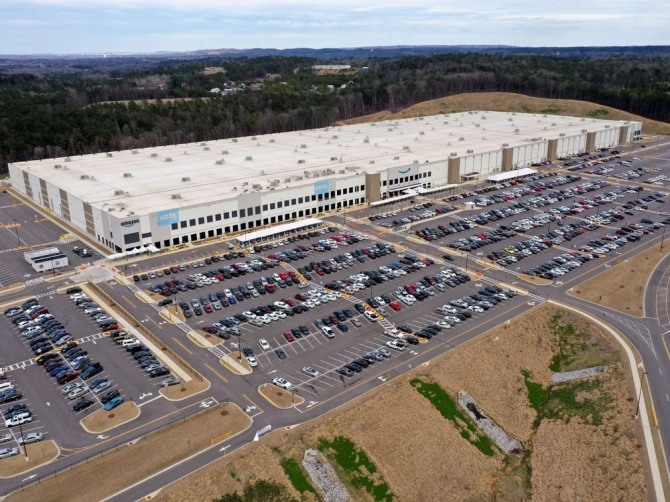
{"x": 182, "y": 345}
{"x": 217, "y": 373}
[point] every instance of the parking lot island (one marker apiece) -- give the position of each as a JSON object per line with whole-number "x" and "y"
{"x": 280, "y": 398}
{"x": 39, "y": 454}
{"x": 102, "y": 420}
{"x": 236, "y": 365}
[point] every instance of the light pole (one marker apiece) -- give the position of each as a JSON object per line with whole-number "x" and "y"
{"x": 25, "y": 446}
{"x": 639, "y": 394}
{"x": 662, "y": 241}
{"x": 467, "y": 260}
{"x": 16, "y": 229}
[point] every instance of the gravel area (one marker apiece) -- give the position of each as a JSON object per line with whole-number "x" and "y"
{"x": 574, "y": 375}
{"x": 324, "y": 476}
{"x": 504, "y": 441}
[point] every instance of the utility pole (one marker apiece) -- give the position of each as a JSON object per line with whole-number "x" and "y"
{"x": 25, "y": 446}
{"x": 662, "y": 241}
{"x": 639, "y": 394}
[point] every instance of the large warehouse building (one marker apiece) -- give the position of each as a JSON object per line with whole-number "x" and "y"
{"x": 176, "y": 194}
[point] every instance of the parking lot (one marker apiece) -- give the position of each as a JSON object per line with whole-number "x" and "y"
{"x": 324, "y": 311}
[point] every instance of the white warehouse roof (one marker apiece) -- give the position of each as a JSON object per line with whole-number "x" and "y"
{"x": 183, "y": 175}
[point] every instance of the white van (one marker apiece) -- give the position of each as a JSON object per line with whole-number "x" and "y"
{"x": 6, "y": 385}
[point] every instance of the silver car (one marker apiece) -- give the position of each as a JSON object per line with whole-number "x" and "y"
{"x": 308, "y": 370}
{"x": 8, "y": 452}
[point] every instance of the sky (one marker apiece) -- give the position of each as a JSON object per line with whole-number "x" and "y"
{"x": 136, "y": 26}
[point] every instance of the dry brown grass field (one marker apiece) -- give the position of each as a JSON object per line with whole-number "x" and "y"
{"x": 422, "y": 456}
{"x": 622, "y": 286}
{"x": 511, "y": 102}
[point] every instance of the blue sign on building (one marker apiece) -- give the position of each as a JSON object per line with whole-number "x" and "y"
{"x": 321, "y": 187}
{"x": 167, "y": 217}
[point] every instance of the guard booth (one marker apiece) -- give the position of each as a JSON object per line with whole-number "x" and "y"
{"x": 46, "y": 260}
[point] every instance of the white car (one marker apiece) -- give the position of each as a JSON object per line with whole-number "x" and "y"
{"x": 31, "y": 437}
{"x": 371, "y": 316}
{"x": 393, "y": 333}
{"x": 71, "y": 386}
{"x": 252, "y": 361}
{"x": 283, "y": 383}
{"x": 308, "y": 370}
{"x": 8, "y": 452}
{"x": 396, "y": 345}
{"x": 263, "y": 343}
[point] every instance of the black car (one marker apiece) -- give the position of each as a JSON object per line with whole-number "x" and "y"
{"x": 359, "y": 308}
{"x": 280, "y": 353}
{"x": 345, "y": 371}
{"x": 82, "y": 404}
{"x": 162, "y": 371}
{"x": 109, "y": 395}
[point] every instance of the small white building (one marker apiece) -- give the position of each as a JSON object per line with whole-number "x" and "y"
{"x": 46, "y": 260}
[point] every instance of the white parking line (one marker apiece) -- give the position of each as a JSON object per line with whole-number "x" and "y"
{"x": 159, "y": 396}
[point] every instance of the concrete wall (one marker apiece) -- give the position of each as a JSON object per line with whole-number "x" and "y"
{"x": 372, "y": 187}
{"x": 507, "y": 159}
{"x": 454, "y": 170}
{"x": 552, "y": 148}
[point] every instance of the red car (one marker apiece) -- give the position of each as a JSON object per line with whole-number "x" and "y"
{"x": 208, "y": 308}
{"x": 291, "y": 273}
{"x": 283, "y": 275}
{"x": 395, "y": 305}
{"x": 289, "y": 337}
{"x": 69, "y": 376}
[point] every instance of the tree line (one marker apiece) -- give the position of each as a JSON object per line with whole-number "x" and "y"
{"x": 43, "y": 116}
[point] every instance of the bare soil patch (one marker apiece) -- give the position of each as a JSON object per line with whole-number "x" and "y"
{"x": 279, "y": 397}
{"x": 622, "y": 286}
{"x": 185, "y": 389}
{"x": 156, "y": 451}
{"x": 39, "y": 454}
{"x": 422, "y": 456}
{"x": 511, "y": 102}
{"x": 103, "y": 421}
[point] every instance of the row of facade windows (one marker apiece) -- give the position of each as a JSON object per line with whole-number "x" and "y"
{"x": 405, "y": 179}
{"x": 245, "y": 226}
{"x": 252, "y": 211}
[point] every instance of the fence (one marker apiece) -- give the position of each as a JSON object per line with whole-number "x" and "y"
{"x": 100, "y": 455}
{"x": 146, "y": 332}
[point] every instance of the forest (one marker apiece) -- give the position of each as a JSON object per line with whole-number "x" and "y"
{"x": 94, "y": 108}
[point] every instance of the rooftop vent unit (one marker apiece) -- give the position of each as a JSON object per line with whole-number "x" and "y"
{"x": 58, "y": 166}
{"x": 445, "y": 122}
{"x": 253, "y": 138}
{"x": 303, "y": 146}
{"x": 248, "y": 157}
{"x": 127, "y": 175}
{"x": 84, "y": 177}
{"x": 224, "y": 152}
{"x": 516, "y": 131}
{"x": 206, "y": 149}
{"x": 422, "y": 133}
{"x": 396, "y": 157}
{"x": 584, "y": 130}
{"x": 477, "y": 125}
{"x": 366, "y": 140}
{"x": 134, "y": 152}
{"x": 111, "y": 209}
{"x": 246, "y": 183}
{"x": 505, "y": 145}
{"x": 405, "y": 148}
{"x": 607, "y": 127}
{"x": 351, "y": 168}
{"x": 256, "y": 186}
{"x": 509, "y": 119}
{"x": 301, "y": 161}
{"x": 461, "y": 138}
{"x": 109, "y": 154}
{"x": 185, "y": 179}
{"x": 203, "y": 144}
{"x": 168, "y": 159}
{"x": 390, "y": 129}
{"x": 67, "y": 159}
{"x": 176, "y": 196}
{"x": 372, "y": 162}
{"x": 234, "y": 140}
{"x": 154, "y": 155}
{"x": 334, "y": 136}
{"x": 453, "y": 154}
{"x": 562, "y": 134}
{"x": 333, "y": 158}
{"x": 272, "y": 140}
{"x": 341, "y": 171}
{"x": 583, "y": 120}
{"x": 469, "y": 151}
{"x": 553, "y": 124}
{"x": 119, "y": 192}
{"x": 274, "y": 183}
{"x": 416, "y": 162}
{"x": 220, "y": 162}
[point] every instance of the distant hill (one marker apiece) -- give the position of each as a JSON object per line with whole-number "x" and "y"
{"x": 510, "y": 102}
